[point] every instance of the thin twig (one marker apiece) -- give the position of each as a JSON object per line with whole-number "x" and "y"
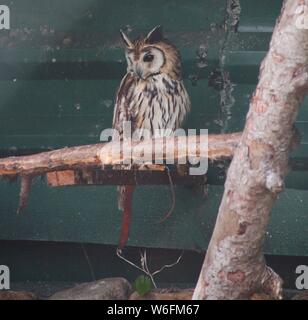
{"x": 88, "y": 261}
{"x": 169, "y": 213}
{"x": 144, "y": 264}
{"x": 167, "y": 266}
{"x": 119, "y": 254}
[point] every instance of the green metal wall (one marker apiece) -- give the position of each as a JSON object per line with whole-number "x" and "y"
{"x": 60, "y": 65}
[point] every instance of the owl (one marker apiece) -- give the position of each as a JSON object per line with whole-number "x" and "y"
{"x": 151, "y": 96}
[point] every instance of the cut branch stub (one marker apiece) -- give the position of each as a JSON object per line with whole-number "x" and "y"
{"x": 25, "y": 188}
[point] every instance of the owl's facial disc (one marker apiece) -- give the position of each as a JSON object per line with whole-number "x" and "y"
{"x": 146, "y": 63}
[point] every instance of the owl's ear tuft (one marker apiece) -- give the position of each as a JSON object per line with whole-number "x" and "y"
{"x": 155, "y": 35}
{"x": 126, "y": 40}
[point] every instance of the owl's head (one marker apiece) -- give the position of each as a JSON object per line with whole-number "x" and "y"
{"x": 152, "y": 55}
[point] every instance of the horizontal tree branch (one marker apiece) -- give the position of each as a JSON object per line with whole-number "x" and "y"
{"x": 99, "y": 155}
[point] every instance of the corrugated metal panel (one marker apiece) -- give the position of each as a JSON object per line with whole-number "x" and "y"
{"x": 60, "y": 66}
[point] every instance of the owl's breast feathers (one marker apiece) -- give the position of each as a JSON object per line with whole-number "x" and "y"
{"x": 158, "y": 102}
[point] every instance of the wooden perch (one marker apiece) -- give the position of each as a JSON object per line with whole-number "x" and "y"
{"x": 93, "y": 164}
{"x": 135, "y": 177}
{"x": 98, "y": 155}
{"x": 234, "y": 266}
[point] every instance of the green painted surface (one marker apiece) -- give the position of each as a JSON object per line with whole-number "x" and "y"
{"x": 46, "y": 266}
{"x": 60, "y": 67}
{"x": 89, "y": 215}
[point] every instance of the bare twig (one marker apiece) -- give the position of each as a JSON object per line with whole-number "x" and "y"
{"x": 144, "y": 265}
{"x": 88, "y": 261}
{"x": 169, "y": 213}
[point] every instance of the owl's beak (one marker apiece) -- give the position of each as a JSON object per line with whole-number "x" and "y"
{"x": 139, "y": 72}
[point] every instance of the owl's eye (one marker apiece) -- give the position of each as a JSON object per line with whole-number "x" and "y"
{"x": 148, "y": 57}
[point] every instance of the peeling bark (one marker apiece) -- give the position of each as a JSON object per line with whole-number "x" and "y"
{"x": 234, "y": 265}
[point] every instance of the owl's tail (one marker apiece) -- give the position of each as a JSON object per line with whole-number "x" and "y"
{"x": 125, "y": 202}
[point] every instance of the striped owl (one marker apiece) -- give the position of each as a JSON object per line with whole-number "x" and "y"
{"x": 151, "y": 96}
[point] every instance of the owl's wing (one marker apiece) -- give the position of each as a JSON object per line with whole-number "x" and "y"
{"x": 122, "y": 109}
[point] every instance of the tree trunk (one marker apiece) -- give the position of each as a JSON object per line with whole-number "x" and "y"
{"x": 234, "y": 265}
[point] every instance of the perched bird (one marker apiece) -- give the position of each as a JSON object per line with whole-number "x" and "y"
{"x": 151, "y": 96}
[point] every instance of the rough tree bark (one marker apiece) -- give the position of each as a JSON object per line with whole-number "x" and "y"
{"x": 234, "y": 265}
{"x": 220, "y": 146}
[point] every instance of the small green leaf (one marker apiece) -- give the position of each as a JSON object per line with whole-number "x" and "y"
{"x": 142, "y": 285}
